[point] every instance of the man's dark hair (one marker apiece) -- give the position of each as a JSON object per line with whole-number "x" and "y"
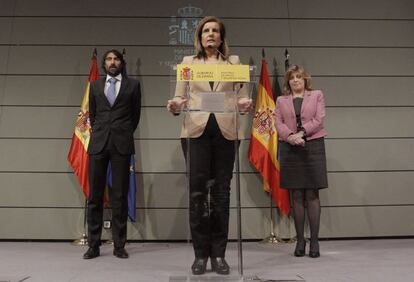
{"x": 118, "y": 55}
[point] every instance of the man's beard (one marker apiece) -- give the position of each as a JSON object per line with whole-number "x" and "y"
{"x": 113, "y": 70}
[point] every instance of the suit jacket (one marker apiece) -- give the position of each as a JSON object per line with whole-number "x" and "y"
{"x": 120, "y": 120}
{"x": 195, "y": 122}
{"x": 312, "y": 115}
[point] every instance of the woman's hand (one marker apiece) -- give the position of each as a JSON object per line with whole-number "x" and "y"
{"x": 244, "y": 105}
{"x": 176, "y": 104}
{"x": 296, "y": 139}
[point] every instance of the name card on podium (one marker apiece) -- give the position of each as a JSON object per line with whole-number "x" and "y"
{"x": 212, "y": 102}
{"x": 207, "y": 72}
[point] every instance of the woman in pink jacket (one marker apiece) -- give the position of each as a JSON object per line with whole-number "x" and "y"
{"x": 300, "y": 114}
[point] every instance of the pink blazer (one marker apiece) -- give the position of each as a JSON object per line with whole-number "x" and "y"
{"x": 312, "y": 115}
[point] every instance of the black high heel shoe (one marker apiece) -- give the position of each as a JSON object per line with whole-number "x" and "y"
{"x": 300, "y": 249}
{"x": 314, "y": 251}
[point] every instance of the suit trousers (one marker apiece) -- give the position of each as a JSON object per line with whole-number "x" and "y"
{"x": 209, "y": 157}
{"x": 118, "y": 194}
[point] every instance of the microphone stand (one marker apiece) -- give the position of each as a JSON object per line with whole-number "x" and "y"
{"x": 237, "y": 163}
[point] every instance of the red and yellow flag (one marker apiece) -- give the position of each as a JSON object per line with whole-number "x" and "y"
{"x": 263, "y": 143}
{"x": 78, "y": 154}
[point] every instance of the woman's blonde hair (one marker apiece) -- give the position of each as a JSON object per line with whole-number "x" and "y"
{"x": 223, "y": 48}
{"x": 295, "y": 68}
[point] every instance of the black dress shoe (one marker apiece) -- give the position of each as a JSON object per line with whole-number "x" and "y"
{"x": 220, "y": 266}
{"x": 91, "y": 253}
{"x": 199, "y": 266}
{"x": 300, "y": 249}
{"x": 121, "y": 253}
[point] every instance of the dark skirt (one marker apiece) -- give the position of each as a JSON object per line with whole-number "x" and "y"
{"x": 303, "y": 167}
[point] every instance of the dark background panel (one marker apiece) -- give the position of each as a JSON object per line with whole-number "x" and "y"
{"x": 353, "y": 9}
{"x": 159, "y": 8}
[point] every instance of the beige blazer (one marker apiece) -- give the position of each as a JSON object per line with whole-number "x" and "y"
{"x": 195, "y": 122}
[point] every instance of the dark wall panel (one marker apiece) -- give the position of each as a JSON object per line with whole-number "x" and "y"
{"x": 360, "y": 53}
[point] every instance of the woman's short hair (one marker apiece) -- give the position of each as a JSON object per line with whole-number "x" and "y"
{"x": 292, "y": 69}
{"x": 223, "y": 48}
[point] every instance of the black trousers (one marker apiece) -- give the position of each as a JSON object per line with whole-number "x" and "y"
{"x": 209, "y": 156}
{"x": 98, "y": 165}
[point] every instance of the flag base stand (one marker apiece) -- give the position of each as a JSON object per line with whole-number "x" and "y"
{"x": 83, "y": 241}
{"x": 290, "y": 240}
{"x": 271, "y": 239}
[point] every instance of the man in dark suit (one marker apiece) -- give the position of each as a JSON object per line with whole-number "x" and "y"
{"x": 114, "y": 112}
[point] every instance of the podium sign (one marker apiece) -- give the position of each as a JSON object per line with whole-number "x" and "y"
{"x": 206, "y": 72}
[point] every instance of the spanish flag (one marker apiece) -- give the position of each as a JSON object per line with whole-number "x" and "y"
{"x": 78, "y": 154}
{"x": 263, "y": 143}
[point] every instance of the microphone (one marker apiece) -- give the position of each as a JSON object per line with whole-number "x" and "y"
{"x": 212, "y": 45}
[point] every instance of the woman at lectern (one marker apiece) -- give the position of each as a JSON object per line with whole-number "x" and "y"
{"x": 300, "y": 115}
{"x": 207, "y": 141}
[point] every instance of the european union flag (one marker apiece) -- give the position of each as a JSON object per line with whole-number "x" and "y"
{"x": 132, "y": 204}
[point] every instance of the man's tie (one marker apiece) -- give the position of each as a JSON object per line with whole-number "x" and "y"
{"x": 111, "y": 94}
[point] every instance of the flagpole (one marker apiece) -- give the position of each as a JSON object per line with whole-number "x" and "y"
{"x": 272, "y": 238}
{"x": 287, "y": 65}
{"x": 83, "y": 241}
